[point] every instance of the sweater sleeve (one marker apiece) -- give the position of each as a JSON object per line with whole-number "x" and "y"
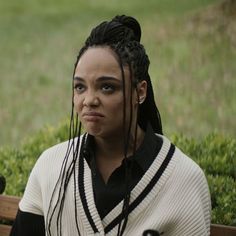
{"x": 28, "y": 224}
{"x": 33, "y": 206}
{"x": 32, "y": 199}
{"x": 29, "y": 219}
{"x": 192, "y": 199}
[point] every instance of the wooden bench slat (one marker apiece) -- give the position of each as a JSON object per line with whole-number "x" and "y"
{"x": 222, "y": 230}
{"x": 5, "y": 230}
{"x": 8, "y": 207}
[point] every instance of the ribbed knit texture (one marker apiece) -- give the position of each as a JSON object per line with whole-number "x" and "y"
{"x": 177, "y": 205}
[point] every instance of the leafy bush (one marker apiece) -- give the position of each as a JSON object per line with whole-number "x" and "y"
{"x": 215, "y": 154}
{"x": 223, "y": 197}
{"x": 16, "y": 164}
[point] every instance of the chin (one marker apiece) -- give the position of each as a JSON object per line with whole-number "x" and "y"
{"x": 94, "y": 131}
{"x": 102, "y": 131}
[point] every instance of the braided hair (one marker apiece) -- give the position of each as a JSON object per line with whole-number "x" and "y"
{"x": 122, "y": 34}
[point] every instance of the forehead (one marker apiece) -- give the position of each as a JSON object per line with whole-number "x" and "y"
{"x": 99, "y": 61}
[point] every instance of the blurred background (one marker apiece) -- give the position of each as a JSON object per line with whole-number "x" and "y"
{"x": 191, "y": 45}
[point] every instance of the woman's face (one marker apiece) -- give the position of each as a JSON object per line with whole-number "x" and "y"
{"x": 98, "y": 93}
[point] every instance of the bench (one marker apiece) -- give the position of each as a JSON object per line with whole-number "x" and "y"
{"x": 9, "y": 206}
{"x": 222, "y": 230}
{"x": 8, "y": 210}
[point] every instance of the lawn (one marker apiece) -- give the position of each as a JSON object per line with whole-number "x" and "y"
{"x": 191, "y": 46}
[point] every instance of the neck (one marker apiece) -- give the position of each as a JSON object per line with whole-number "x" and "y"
{"x": 110, "y": 152}
{"x": 113, "y": 147}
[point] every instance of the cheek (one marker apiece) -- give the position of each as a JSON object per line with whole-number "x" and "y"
{"x": 114, "y": 105}
{"x": 77, "y": 103}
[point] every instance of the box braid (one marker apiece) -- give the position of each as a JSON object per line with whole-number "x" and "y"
{"x": 67, "y": 170}
{"x": 133, "y": 53}
{"x": 122, "y": 34}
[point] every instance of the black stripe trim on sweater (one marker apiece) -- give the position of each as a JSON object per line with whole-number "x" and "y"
{"x": 82, "y": 192}
{"x": 145, "y": 192}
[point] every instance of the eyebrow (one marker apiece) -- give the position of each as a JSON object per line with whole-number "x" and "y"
{"x": 100, "y": 79}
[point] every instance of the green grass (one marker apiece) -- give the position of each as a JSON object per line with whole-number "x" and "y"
{"x": 193, "y": 62}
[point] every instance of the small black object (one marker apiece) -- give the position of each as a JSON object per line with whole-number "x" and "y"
{"x": 151, "y": 232}
{"x": 2, "y": 184}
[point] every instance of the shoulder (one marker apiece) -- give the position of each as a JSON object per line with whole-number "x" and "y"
{"x": 51, "y": 160}
{"x": 183, "y": 161}
{"x": 44, "y": 176}
{"x": 57, "y": 152}
{"x": 188, "y": 190}
{"x": 188, "y": 178}
{"x": 186, "y": 169}
{"x": 57, "y": 149}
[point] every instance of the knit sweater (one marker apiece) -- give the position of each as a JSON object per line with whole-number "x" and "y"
{"x": 172, "y": 197}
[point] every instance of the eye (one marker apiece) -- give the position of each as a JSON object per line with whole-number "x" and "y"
{"x": 79, "y": 88}
{"x": 108, "y": 88}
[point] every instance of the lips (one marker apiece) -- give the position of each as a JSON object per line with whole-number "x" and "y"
{"x": 92, "y": 116}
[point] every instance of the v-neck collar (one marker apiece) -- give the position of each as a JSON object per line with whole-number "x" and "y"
{"x": 138, "y": 198}
{"x": 150, "y": 146}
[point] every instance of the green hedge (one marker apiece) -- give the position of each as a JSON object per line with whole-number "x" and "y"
{"x": 215, "y": 154}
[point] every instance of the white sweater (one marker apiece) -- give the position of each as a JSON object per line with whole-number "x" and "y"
{"x": 176, "y": 203}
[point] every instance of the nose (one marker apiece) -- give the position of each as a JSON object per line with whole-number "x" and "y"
{"x": 91, "y": 99}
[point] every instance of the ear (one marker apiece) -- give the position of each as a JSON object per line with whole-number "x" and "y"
{"x": 142, "y": 91}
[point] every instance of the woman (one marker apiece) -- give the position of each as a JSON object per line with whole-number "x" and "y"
{"x": 122, "y": 176}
